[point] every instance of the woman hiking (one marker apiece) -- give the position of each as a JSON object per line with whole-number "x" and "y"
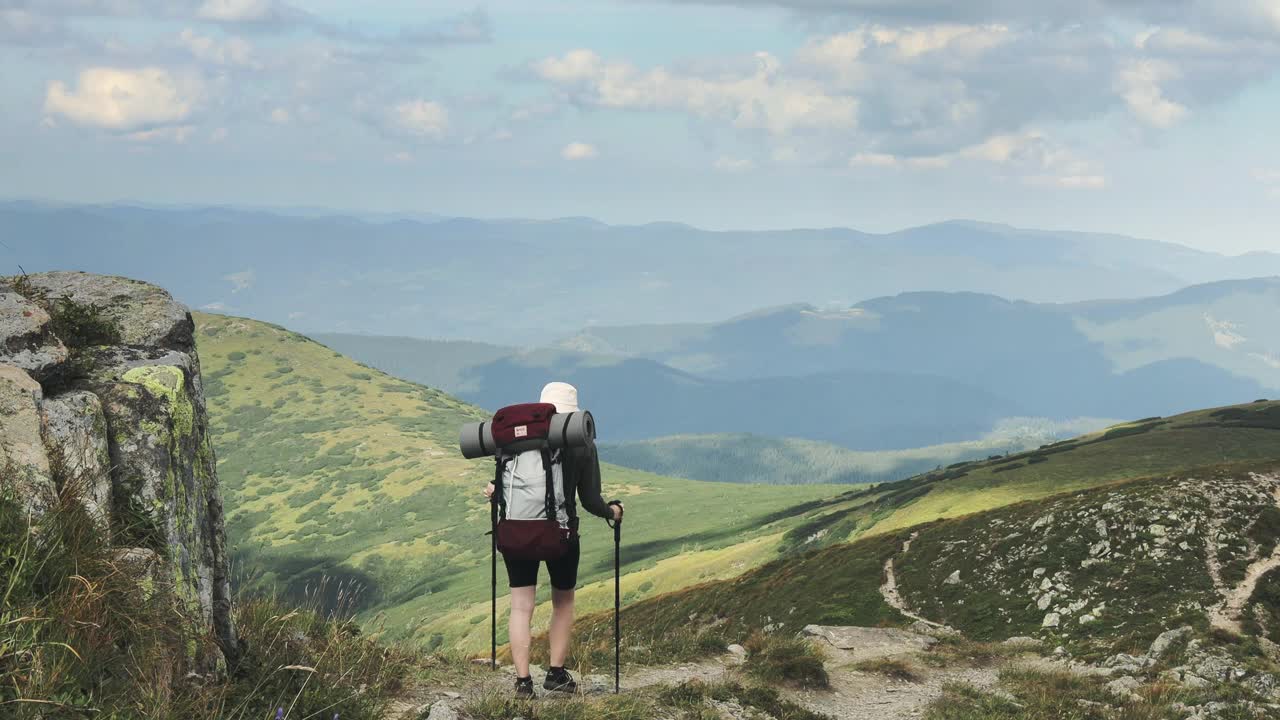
{"x": 581, "y": 477}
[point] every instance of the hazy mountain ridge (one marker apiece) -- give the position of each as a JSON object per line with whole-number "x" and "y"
{"x": 900, "y": 371}
{"x": 749, "y": 458}
{"x": 452, "y": 277}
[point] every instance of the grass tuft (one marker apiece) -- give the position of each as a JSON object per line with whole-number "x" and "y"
{"x": 780, "y": 659}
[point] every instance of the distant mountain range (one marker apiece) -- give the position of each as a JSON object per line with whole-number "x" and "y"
{"x": 523, "y": 282}
{"x": 906, "y": 371}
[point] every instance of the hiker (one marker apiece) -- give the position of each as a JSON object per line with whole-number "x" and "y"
{"x": 581, "y": 474}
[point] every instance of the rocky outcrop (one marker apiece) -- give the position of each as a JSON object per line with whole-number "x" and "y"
{"x": 27, "y": 340}
{"x": 110, "y": 411}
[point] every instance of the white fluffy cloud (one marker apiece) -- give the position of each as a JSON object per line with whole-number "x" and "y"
{"x": 759, "y": 99}
{"x": 1139, "y": 83}
{"x": 924, "y": 94}
{"x": 578, "y": 151}
{"x": 124, "y": 99}
{"x": 420, "y": 118}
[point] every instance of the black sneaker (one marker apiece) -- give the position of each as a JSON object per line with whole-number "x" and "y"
{"x": 559, "y": 680}
{"x": 524, "y": 687}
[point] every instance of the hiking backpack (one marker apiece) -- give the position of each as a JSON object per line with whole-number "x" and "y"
{"x": 533, "y": 521}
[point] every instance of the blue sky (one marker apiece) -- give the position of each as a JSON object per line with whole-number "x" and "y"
{"x": 1147, "y": 118}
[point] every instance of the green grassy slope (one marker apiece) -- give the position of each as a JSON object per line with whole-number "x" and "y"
{"x": 332, "y": 469}
{"x": 1117, "y": 565}
{"x": 760, "y": 459}
{"x": 1146, "y": 448}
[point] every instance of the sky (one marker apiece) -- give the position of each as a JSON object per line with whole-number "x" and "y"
{"x": 1152, "y": 118}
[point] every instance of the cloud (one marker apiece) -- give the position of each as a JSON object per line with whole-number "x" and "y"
{"x": 1139, "y": 83}
{"x": 247, "y": 11}
{"x": 232, "y": 52}
{"x": 729, "y": 164}
{"x": 124, "y": 100}
{"x": 242, "y": 280}
{"x": 1251, "y": 16}
{"x": 419, "y": 118}
{"x": 578, "y": 151}
{"x": 217, "y": 306}
{"x": 874, "y": 160}
{"x": 923, "y": 91}
{"x": 20, "y": 26}
{"x": 177, "y": 134}
{"x": 1030, "y": 157}
{"x": 761, "y": 98}
{"x": 469, "y": 27}
{"x": 280, "y": 116}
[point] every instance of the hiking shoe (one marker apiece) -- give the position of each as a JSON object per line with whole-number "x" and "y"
{"x": 524, "y": 688}
{"x": 559, "y": 680}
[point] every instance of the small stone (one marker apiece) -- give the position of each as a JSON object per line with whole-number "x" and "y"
{"x": 1166, "y": 639}
{"x": 952, "y": 579}
{"x": 1023, "y": 642}
{"x": 1051, "y": 620}
{"x": 1124, "y": 687}
{"x": 736, "y": 649}
{"x": 442, "y": 711}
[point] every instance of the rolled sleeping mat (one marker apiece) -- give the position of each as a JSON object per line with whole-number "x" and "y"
{"x": 476, "y": 440}
{"x": 577, "y": 429}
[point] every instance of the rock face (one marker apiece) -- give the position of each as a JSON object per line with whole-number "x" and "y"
{"x": 119, "y": 425}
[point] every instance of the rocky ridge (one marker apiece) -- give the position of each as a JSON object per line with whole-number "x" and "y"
{"x": 101, "y": 397}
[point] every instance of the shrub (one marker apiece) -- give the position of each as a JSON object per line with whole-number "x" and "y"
{"x": 794, "y": 661}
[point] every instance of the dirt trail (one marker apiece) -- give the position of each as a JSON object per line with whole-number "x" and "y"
{"x": 889, "y": 590}
{"x": 1227, "y": 615}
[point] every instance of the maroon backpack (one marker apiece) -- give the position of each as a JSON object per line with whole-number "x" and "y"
{"x": 535, "y": 533}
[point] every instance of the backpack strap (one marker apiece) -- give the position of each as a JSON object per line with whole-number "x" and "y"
{"x": 500, "y": 464}
{"x": 551, "y": 483}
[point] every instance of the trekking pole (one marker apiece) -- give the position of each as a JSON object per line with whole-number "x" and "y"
{"x": 617, "y": 604}
{"x": 493, "y": 585}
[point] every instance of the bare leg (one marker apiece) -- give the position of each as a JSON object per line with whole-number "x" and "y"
{"x": 518, "y": 627}
{"x": 561, "y": 625}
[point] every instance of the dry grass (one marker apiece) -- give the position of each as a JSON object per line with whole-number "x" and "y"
{"x": 781, "y": 659}
{"x": 79, "y": 637}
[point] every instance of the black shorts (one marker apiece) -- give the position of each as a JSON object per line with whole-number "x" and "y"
{"x": 563, "y": 570}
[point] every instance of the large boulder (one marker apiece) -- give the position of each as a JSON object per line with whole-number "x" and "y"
{"x": 26, "y": 336}
{"x": 144, "y": 314}
{"x": 75, "y": 432}
{"x": 24, "y": 462}
{"x": 127, "y": 419}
